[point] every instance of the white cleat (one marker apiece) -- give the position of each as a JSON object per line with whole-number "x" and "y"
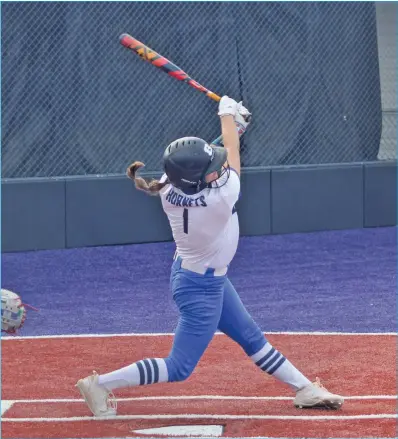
{"x": 316, "y": 396}
{"x": 99, "y": 400}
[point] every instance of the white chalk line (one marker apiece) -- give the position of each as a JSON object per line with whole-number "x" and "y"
{"x": 170, "y": 334}
{"x": 199, "y": 416}
{"x": 7, "y": 404}
{"x": 191, "y": 397}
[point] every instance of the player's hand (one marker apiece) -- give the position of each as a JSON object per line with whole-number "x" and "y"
{"x": 242, "y": 118}
{"x": 227, "y": 106}
{"x": 243, "y": 111}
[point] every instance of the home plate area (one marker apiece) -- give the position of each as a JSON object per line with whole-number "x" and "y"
{"x": 227, "y": 396}
{"x": 184, "y": 430}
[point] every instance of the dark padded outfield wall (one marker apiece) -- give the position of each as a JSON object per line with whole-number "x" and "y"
{"x": 101, "y": 211}
{"x": 79, "y": 212}
{"x": 32, "y": 215}
{"x": 312, "y": 199}
{"x": 380, "y": 190}
{"x": 254, "y": 206}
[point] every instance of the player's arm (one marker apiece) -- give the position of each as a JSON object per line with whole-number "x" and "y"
{"x": 226, "y": 110}
{"x": 232, "y": 126}
{"x": 242, "y": 119}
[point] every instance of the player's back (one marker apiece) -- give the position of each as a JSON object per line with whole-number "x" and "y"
{"x": 205, "y": 225}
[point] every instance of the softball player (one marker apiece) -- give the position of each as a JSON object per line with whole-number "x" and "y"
{"x": 198, "y": 190}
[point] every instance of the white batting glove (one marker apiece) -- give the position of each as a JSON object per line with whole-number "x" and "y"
{"x": 242, "y": 118}
{"x": 227, "y": 106}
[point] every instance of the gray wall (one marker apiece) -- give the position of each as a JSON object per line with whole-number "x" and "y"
{"x": 76, "y": 212}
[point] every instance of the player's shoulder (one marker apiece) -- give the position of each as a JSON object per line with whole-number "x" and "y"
{"x": 232, "y": 180}
{"x": 166, "y": 188}
{"x": 227, "y": 187}
{"x": 234, "y": 174}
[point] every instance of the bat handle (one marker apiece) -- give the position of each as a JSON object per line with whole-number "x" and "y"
{"x": 213, "y": 96}
{"x": 220, "y": 142}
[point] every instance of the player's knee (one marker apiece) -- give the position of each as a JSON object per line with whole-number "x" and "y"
{"x": 178, "y": 371}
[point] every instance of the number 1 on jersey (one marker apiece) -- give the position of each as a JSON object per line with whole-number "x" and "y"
{"x": 185, "y": 216}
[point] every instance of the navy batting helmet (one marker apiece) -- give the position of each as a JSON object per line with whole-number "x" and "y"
{"x": 187, "y": 162}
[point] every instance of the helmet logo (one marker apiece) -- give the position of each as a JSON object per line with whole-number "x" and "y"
{"x": 208, "y": 150}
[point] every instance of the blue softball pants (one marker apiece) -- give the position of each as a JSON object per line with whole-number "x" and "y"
{"x": 206, "y": 303}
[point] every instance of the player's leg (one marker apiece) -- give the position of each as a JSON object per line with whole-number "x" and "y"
{"x": 199, "y": 299}
{"x": 237, "y": 323}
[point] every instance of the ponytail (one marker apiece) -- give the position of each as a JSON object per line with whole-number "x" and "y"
{"x": 150, "y": 187}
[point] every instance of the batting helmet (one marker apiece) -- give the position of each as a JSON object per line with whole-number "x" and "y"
{"x": 187, "y": 162}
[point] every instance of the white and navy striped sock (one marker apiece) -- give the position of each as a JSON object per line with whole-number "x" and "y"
{"x": 274, "y": 363}
{"x": 144, "y": 372}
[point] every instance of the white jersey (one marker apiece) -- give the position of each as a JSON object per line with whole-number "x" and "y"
{"x": 205, "y": 225}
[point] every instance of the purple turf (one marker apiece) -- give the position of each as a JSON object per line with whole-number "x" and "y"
{"x": 325, "y": 281}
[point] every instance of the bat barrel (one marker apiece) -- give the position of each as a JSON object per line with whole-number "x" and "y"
{"x": 163, "y": 63}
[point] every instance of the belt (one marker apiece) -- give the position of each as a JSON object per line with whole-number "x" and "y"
{"x": 203, "y": 270}
{"x": 200, "y": 269}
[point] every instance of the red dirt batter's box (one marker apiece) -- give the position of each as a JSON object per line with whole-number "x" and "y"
{"x": 347, "y": 364}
